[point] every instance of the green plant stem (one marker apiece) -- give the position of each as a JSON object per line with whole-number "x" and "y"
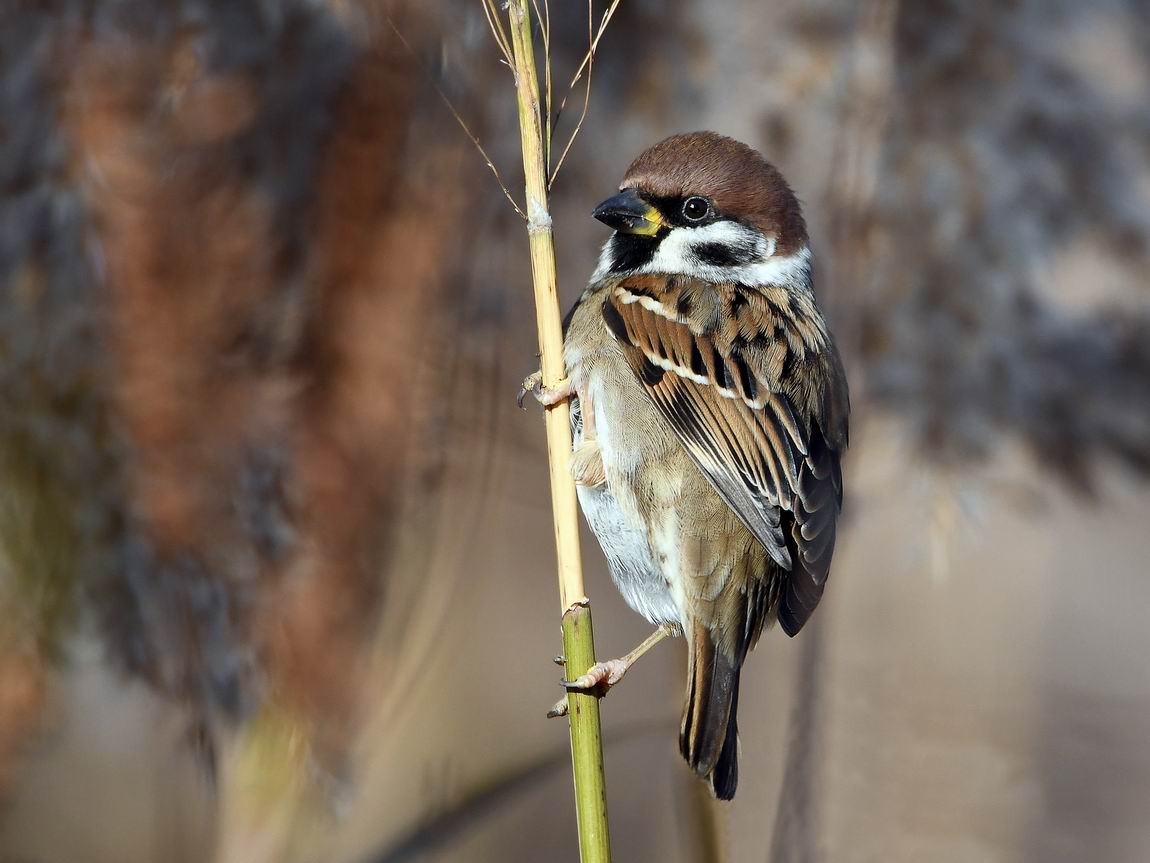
{"x": 586, "y": 739}
{"x": 578, "y": 642}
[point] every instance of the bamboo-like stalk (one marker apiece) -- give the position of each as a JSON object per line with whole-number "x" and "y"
{"x": 578, "y": 641}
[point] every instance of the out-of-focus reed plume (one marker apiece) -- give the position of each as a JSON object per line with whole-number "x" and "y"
{"x": 56, "y": 484}
{"x": 260, "y": 303}
{"x": 223, "y": 274}
{"x": 1002, "y": 154}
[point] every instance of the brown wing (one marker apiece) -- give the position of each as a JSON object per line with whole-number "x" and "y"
{"x": 751, "y": 385}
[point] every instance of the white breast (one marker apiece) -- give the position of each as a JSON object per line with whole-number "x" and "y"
{"x": 613, "y": 516}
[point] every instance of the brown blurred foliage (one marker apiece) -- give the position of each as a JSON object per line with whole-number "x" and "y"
{"x": 262, "y": 312}
{"x": 264, "y": 278}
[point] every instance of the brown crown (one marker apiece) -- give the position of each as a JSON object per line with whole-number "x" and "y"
{"x": 740, "y": 182}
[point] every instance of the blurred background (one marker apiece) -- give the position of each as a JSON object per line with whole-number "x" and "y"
{"x": 276, "y": 564}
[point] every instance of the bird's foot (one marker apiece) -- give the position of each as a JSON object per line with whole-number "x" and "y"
{"x": 546, "y": 396}
{"x": 603, "y": 675}
{"x": 598, "y": 679}
{"x": 587, "y": 464}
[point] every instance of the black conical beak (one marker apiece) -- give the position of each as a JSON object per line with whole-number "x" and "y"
{"x": 629, "y": 214}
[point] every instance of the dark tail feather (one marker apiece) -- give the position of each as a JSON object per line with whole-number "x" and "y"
{"x": 725, "y": 776}
{"x": 708, "y": 736}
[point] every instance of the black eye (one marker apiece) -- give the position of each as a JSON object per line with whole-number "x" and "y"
{"x": 696, "y": 209}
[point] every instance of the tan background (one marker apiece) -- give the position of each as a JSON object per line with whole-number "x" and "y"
{"x": 973, "y": 688}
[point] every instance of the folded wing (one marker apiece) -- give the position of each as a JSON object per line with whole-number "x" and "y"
{"x": 750, "y": 394}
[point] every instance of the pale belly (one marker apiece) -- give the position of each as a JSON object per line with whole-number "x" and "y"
{"x": 614, "y": 517}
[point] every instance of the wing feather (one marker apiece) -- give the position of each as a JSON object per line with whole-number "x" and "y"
{"x": 721, "y": 382}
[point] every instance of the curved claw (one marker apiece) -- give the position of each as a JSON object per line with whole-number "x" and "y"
{"x": 606, "y": 674}
{"x": 601, "y": 676}
{"x": 546, "y": 396}
{"x": 533, "y": 383}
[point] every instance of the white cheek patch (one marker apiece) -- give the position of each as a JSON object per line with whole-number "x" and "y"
{"x": 685, "y": 251}
{"x": 792, "y": 271}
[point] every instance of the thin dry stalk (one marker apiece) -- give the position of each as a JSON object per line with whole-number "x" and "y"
{"x": 586, "y": 99}
{"x": 459, "y": 118}
{"x": 588, "y": 60}
{"x": 578, "y": 640}
{"x": 496, "y": 25}
{"x": 545, "y": 17}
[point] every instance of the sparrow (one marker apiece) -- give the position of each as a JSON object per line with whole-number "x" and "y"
{"x": 709, "y": 413}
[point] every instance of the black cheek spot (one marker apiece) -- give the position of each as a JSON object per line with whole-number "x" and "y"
{"x": 717, "y": 254}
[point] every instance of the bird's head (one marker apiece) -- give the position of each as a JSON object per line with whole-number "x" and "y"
{"x": 707, "y": 206}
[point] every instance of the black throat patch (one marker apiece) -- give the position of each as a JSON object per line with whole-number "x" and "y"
{"x": 631, "y": 251}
